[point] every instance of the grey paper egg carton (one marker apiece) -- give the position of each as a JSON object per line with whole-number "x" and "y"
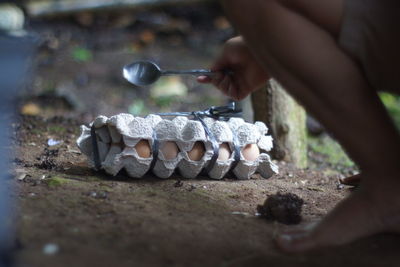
{"x": 117, "y": 136}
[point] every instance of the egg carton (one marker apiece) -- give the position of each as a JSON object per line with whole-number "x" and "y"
{"x": 118, "y": 135}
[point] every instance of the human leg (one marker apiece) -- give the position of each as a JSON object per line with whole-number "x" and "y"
{"x": 305, "y": 57}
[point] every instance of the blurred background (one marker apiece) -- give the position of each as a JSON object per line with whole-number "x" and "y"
{"x": 84, "y": 46}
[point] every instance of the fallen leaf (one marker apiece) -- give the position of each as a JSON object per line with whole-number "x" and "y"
{"x": 221, "y": 23}
{"x": 312, "y": 188}
{"x": 147, "y": 37}
{"x": 30, "y": 109}
{"x": 81, "y": 54}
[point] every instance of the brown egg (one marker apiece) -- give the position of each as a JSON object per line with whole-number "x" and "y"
{"x": 197, "y": 151}
{"x": 170, "y": 150}
{"x": 143, "y": 149}
{"x": 224, "y": 152}
{"x": 251, "y": 152}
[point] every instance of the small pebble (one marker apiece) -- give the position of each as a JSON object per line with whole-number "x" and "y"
{"x": 53, "y": 142}
{"x": 50, "y": 249}
{"x": 240, "y": 213}
{"x": 178, "y": 183}
{"x": 20, "y": 174}
{"x": 98, "y": 195}
{"x": 192, "y": 187}
{"x": 340, "y": 186}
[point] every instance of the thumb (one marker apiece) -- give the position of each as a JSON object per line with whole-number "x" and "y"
{"x": 222, "y": 62}
{"x": 204, "y": 79}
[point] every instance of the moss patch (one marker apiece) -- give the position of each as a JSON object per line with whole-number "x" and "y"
{"x": 332, "y": 152}
{"x": 56, "y": 181}
{"x": 392, "y": 104}
{"x": 56, "y": 129}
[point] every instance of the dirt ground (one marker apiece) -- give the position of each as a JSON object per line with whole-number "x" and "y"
{"x": 97, "y": 220}
{"x": 68, "y": 214}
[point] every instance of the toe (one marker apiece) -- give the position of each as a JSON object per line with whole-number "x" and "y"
{"x": 350, "y": 220}
{"x": 204, "y": 79}
{"x": 295, "y": 242}
{"x": 352, "y": 180}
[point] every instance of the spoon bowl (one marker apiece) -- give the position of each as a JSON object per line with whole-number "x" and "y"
{"x": 142, "y": 73}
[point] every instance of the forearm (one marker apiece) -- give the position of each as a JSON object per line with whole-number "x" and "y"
{"x": 308, "y": 62}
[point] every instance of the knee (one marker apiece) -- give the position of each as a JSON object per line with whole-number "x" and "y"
{"x": 245, "y": 4}
{"x": 268, "y": 5}
{"x": 297, "y": 6}
{"x": 245, "y": 10}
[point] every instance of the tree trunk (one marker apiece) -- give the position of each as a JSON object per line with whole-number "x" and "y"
{"x": 286, "y": 120}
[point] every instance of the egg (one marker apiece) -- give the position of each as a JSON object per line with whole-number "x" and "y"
{"x": 143, "y": 149}
{"x": 250, "y": 152}
{"x": 197, "y": 151}
{"x": 170, "y": 150}
{"x": 224, "y": 152}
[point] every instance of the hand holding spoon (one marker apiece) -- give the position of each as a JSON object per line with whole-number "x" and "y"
{"x": 142, "y": 73}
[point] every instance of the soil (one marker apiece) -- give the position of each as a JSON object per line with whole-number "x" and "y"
{"x": 68, "y": 214}
{"x": 283, "y": 208}
{"x": 98, "y": 220}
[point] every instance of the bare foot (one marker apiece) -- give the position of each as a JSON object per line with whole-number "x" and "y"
{"x": 374, "y": 208}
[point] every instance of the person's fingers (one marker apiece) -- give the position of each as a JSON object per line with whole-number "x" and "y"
{"x": 217, "y": 79}
{"x": 204, "y": 79}
{"x": 233, "y": 91}
{"x": 223, "y": 61}
{"x": 220, "y": 61}
{"x": 240, "y": 95}
{"x": 224, "y": 85}
{"x": 236, "y": 90}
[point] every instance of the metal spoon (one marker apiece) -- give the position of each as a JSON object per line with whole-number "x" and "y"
{"x": 142, "y": 73}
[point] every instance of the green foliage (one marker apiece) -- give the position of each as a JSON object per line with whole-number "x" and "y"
{"x": 56, "y": 181}
{"x": 81, "y": 54}
{"x": 392, "y": 104}
{"x": 137, "y": 107}
{"x": 168, "y": 90}
{"x": 164, "y": 102}
{"x": 56, "y": 129}
{"x": 330, "y": 149}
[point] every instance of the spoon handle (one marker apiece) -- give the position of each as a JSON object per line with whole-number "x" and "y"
{"x": 197, "y": 72}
